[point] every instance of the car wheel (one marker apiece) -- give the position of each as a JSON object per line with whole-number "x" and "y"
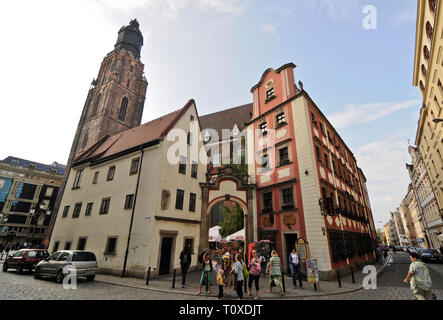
{"x": 60, "y": 276}
{"x": 90, "y": 278}
{"x": 19, "y": 269}
{"x": 37, "y": 274}
{"x": 5, "y": 267}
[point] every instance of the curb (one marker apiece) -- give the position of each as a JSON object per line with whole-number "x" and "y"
{"x": 261, "y": 298}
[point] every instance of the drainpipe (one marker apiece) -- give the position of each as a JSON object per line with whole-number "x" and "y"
{"x": 132, "y": 214}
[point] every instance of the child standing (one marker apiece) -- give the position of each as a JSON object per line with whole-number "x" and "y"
{"x": 220, "y": 281}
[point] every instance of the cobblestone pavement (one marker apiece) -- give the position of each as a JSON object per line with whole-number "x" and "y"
{"x": 25, "y": 287}
{"x": 390, "y": 287}
{"x": 390, "y": 283}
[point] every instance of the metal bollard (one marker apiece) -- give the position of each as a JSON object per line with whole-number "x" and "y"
{"x": 148, "y": 275}
{"x": 338, "y": 278}
{"x": 352, "y": 274}
{"x": 315, "y": 286}
{"x": 283, "y": 281}
{"x": 173, "y": 279}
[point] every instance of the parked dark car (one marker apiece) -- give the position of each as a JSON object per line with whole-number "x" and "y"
{"x": 430, "y": 255}
{"x": 25, "y": 259}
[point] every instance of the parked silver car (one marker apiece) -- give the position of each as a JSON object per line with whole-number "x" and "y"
{"x": 84, "y": 262}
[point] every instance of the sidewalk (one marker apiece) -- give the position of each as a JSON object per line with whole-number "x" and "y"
{"x": 164, "y": 284}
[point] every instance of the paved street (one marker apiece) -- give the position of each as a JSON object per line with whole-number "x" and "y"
{"x": 390, "y": 287}
{"x": 390, "y": 283}
{"x": 25, "y": 287}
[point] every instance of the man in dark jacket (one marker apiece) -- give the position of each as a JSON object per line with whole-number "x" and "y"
{"x": 185, "y": 262}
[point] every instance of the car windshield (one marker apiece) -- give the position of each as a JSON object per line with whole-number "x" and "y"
{"x": 428, "y": 251}
{"x": 83, "y": 256}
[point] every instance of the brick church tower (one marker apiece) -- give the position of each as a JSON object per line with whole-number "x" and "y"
{"x": 115, "y": 99}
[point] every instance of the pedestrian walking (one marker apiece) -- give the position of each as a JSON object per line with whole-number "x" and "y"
{"x": 206, "y": 273}
{"x": 295, "y": 266}
{"x": 220, "y": 282}
{"x": 379, "y": 254}
{"x": 385, "y": 253}
{"x": 254, "y": 274}
{"x": 185, "y": 262}
{"x": 263, "y": 264}
{"x": 421, "y": 284}
{"x": 238, "y": 269}
{"x": 227, "y": 267}
{"x": 275, "y": 273}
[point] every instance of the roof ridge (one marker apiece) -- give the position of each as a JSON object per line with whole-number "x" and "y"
{"x": 224, "y": 110}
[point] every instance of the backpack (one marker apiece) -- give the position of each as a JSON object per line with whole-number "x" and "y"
{"x": 226, "y": 262}
{"x": 201, "y": 255}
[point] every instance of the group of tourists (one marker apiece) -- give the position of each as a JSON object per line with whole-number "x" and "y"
{"x": 233, "y": 273}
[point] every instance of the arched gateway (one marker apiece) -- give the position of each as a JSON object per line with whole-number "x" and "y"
{"x": 224, "y": 185}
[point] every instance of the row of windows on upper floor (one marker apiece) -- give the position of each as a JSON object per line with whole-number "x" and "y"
{"x": 339, "y": 170}
{"x": 335, "y": 142}
{"x": 129, "y": 203}
{"x": 110, "y": 176}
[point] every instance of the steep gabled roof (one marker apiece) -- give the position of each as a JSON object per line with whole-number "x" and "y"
{"x": 227, "y": 119}
{"x": 149, "y": 132}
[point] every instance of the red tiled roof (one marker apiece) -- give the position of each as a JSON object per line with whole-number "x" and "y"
{"x": 146, "y": 133}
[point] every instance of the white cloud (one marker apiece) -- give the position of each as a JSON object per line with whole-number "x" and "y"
{"x": 270, "y": 29}
{"x": 172, "y": 8}
{"x": 366, "y": 113}
{"x": 383, "y": 163}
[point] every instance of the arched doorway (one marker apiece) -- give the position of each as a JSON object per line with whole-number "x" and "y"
{"x": 222, "y": 193}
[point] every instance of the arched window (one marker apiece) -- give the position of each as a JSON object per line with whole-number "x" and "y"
{"x": 426, "y": 53}
{"x": 429, "y": 30}
{"x": 85, "y": 139}
{"x": 432, "y": 5}
{"x": 422, "y": 87}
{"x": 97, "y": 102}
{"x": 423, "y": 70}
{"x": 124, "y": 106}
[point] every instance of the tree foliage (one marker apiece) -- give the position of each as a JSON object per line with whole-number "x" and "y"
{"x": 233, "y": 220}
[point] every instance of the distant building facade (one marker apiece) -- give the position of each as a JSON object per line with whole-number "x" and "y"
{"x": 28, "y": 191}
{"x": 427, "y": 205}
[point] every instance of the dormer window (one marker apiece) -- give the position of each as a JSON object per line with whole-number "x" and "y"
{"x": 263, "y": 128}
{"x": 31, "y": 166}
{"x": 270, "y": 94}
{"x": 14, "y": 163}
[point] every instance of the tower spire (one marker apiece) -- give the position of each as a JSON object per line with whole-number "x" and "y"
{"x": 130, "y": 38}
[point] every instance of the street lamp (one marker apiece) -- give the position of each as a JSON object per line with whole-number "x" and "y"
{"x": 437, "y": 120}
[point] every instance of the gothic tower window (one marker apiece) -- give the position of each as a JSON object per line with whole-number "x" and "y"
{"x": 97, "y": 102}
{"x": 85, "y": 140}
{"x": 124, "y": 106}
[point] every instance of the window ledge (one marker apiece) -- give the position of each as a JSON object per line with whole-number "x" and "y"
{"x": 284, "y": 164}
{"x": 270, "y": 99}
{"x": 280, "y": 125}
{"x": 75, "y": 188}
{"x": 109, "y": 254}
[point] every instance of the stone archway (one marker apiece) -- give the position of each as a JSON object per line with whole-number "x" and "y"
{"x": 224, "y": 186}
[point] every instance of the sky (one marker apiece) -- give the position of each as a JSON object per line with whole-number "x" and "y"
{"x": 215, "y": 51}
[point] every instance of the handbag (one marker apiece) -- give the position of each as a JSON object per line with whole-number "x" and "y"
{"x": 245, "y": 271}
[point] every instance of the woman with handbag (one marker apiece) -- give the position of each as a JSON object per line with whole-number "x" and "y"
{"x": 254, "y": 274}
{"x": 239, "y": 268}
{"x": 206, "y": 273}
{"x": 275, "y": 272}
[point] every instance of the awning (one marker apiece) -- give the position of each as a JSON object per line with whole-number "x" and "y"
{"x": 214, "y": 234}
{"x": 238, "y": 236}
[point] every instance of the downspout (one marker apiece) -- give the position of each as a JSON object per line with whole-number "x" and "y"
{"x": 132, "y": 214}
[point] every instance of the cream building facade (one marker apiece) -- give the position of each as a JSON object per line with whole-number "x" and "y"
{"x": 428, "y": 76}
{"x": 130, "y": 205}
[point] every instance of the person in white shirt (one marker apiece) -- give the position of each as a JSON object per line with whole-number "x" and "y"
{"x": 295, "y": 266}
